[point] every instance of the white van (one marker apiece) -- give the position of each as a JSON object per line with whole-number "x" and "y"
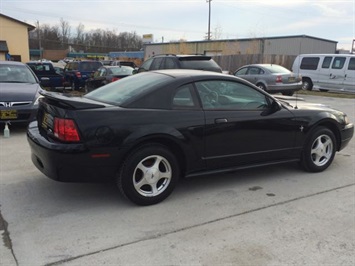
{"x": 334, "y": 72}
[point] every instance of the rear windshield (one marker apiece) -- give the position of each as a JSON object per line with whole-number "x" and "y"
{"x": 199, "y": 63}
{"x": 277, "y": 69}
{"x": 127, "y": 89}
{"x": 121, "y": 70}
{"x": 90, "y": 66}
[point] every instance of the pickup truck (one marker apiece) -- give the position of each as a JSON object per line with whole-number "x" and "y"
{"x": 46, "y": 74}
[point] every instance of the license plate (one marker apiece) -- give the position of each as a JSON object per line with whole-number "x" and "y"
{"x": 8, "y": 114}
{"x": 45, "y": 121}
{"x": 291, "y": 79}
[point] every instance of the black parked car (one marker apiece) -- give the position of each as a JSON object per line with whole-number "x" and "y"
{"x": 107, "y": 74}
{"x": 171, "y": 61}
{"x": 19, "y": 93}
{"x": 147, "y": 130}
{"x": 77, "y": 72}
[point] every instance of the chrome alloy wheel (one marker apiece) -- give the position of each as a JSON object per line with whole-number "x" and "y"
{"x": 322, "y": 150}
{"x": 152, "y": 176}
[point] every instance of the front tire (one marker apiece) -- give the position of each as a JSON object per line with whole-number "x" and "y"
{"x": 319, "y": 150}
{"x": 307, "y": 84}
{"x": 149, "y": 174}
{"x": 261, "y": 86}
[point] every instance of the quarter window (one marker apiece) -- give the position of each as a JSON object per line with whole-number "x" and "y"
{"x": 183, "y": 97}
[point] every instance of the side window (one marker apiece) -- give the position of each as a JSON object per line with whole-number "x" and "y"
{"x": 102, "y": 72}
{"x": 183, "y": 97}
{"x": 242, "y": 71}
{"x": 338, "y": 62}
{"x": 253, "y": 71}
{"x": 156, "y": 63}
{"x": 230, "y": 95}
{"x": 326, "y": 62}
{"x": 170, "y": 63}
{"x": 146, "y": 64}
{"x": 351, "y": 64}
{"x": 97, "y": 73}
{"x": 310, "y": 63}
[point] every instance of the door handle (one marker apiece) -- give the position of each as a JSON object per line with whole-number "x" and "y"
{"x": 220, "y": 120}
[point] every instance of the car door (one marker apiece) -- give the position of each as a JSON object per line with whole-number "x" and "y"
{"x": 99, "y": 77}
{"x": 349, "y": 80}
{"x": 244, "y": 125}
{"x": 336, "y": 74}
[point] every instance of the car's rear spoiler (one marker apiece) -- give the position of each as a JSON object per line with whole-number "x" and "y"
{"x": 71, "y": 102}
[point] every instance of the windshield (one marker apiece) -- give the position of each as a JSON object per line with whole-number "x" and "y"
{"x": 16, "y": 74}
{"x": 118, "y": 92}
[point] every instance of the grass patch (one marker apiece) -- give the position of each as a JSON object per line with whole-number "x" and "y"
{"x": 327, "y": 94}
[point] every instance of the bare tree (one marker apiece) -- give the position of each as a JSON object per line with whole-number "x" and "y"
{"x": 80, "y": 34}
{"x": 65, "y": 31}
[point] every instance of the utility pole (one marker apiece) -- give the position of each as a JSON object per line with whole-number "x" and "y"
{"x": 39, "y": 40}
{"x": 209, "y": 19}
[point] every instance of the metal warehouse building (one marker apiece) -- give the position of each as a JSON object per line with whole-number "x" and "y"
{"x": 233, "y": 53}
{"x": 283, "y": 45}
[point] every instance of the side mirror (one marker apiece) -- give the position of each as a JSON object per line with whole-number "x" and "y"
{"x": 135, "y": 71}
{"x": 273, "y": 108}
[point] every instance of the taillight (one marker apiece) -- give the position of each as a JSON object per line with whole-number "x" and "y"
{"x": 78, "y": 74}
{"x": 65, "y": 129}
{"x": 114, "y": 79}
{"x": 278, "y": 79}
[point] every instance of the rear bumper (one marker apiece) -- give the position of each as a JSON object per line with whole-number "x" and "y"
{"x": 68, "y": 162}
{"x": 346, "y": 135}
{"x": 285, "y": 87}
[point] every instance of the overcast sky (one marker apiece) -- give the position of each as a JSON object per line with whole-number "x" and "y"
{"x": 170, "y": 20}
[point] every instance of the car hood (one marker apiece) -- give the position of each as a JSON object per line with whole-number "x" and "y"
{"x": 294, "y": 103}
{"x": 16, "y": 92}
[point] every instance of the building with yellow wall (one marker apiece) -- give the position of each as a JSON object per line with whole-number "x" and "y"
{"x": 14, "y": 43}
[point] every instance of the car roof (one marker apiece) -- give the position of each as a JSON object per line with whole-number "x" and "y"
{"x": 118, "y": 66}
{"x": 178, "y": 73}
{"x": 11, "y": 63}
{"x": 185, "y": 55}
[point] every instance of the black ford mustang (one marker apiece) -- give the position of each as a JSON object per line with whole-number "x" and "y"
{"x": 147, "y": 130}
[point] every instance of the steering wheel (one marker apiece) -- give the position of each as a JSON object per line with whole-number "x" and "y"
{"x": 211, "y": 97}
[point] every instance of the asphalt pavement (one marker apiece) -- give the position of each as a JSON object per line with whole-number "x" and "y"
{"x": 277, "y": 215}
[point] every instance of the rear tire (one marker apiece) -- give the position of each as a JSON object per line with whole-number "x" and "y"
{"x": 319, "y": 150}
{"x": 149, "y": 174}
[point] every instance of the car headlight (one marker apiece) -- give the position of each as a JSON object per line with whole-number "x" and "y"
{"x": 36, "y": 101}
{"x": 346, "y": 119}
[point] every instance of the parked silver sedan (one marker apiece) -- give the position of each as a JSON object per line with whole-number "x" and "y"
{"x": 271, "y": 78}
